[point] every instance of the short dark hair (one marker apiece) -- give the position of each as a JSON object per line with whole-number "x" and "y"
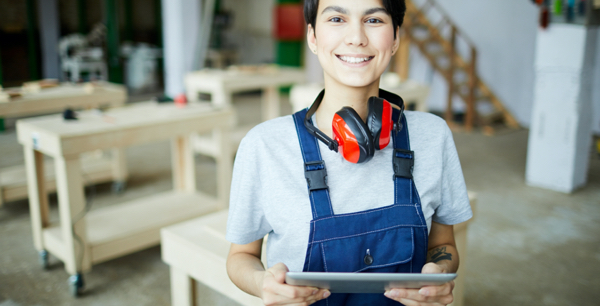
{"x": 396, "y": 9}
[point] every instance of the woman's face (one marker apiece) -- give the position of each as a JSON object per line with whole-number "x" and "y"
{"x": 354, "y": 40}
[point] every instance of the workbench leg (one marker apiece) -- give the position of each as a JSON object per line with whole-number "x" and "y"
{"x": 119, "y": 169}
{"x": 224, "y": 166}
{"x": 38, "y": 198}
{"x": 270, "y": 103}
{"x": 71, "y": 206}
{"x": 183, "y": 164}
{"x": 183, "y": 288}
{"x": 221, "y": 98}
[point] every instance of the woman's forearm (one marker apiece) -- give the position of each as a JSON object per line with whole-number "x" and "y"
{"x": 246, "y": 271}
{"x": 446, "y": 256}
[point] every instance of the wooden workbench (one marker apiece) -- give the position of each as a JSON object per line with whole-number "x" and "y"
{"x": 81, "y": 240}
{"x": 222, "y": 84}
{"x": 38, "y": 101}
{"x": 56, "y": 99}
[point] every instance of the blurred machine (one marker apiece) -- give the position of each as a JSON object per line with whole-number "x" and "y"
{"x": 82, "y": 57}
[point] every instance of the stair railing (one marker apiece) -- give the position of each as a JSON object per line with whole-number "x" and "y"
{"x": 415, "y": 13}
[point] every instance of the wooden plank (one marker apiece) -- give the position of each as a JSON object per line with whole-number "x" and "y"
{"x": 56, "y": 99}
{"x": 183, "y": 164}
{"x": 132, "y": 226}
{"x": 71, "y": 206}
{"x": 119, "y": 127}
{"x": 270, "y": 103}
{"x": 53, "y": 242}
{"x": 135, "y": 225}
{"x": 236, "y": 81}
{"x": 224, "y": 166}
{"x": 38, "y": 205}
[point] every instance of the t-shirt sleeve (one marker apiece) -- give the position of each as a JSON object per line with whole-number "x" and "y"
{"x": 246, "y": 221}
{"x": 455, "y": 207}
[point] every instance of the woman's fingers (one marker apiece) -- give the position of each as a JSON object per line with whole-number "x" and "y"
{"x": 277, "y": 292}
{"x": 276, "y": 299}
{"x": 429, "y": 294}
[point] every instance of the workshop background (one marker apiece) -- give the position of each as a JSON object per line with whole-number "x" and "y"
{"x": 126, "y": 204}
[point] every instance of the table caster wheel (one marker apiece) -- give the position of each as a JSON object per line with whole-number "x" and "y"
{"x": 118, "y": 187}
{"x": 76, "y": 284}
{"x": 43, "y": 258}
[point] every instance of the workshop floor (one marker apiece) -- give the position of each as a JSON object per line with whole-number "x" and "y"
{"x": 526, "y": 246}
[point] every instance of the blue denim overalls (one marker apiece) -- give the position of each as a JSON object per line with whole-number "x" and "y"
{"x": 388, "y": 239}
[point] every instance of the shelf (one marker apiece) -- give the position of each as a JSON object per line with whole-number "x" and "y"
{"x": 135, "y": 225}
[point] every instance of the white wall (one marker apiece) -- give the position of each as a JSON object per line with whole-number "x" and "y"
{"x": 504, "y": 33}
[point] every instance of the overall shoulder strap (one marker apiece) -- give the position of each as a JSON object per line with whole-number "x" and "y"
{"x": 403, "y": 161}
{"x": 314, "y": 169}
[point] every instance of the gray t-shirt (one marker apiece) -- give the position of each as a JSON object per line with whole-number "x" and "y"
{"x": 269, "y": 193}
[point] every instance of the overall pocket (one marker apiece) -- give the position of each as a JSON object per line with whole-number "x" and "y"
{"x": 389, "y": 250}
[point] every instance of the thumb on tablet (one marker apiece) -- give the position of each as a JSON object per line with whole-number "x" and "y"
{"x": 431, "y": 268}
{"x": 279, "y": 270}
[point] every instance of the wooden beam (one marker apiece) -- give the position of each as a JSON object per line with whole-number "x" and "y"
{"x": 450, "y": 78}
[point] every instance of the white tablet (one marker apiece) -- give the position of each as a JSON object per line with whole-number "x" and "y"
{"x": 365, "y": 282}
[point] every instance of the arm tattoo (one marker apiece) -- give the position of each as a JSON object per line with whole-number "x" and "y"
{"x": 439, "y": 254}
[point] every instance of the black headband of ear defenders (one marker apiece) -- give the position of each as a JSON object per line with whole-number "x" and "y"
{"x": 332, "y": 144}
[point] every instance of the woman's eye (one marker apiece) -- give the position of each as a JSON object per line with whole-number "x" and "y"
{"x": 373, "y": 20}
{"x": 336, "y": 19}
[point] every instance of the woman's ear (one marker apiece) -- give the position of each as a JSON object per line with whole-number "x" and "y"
{"x": 396, "y": 41}
{"x": 311, "y": 39}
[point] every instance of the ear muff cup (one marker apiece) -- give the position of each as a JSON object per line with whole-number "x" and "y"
{"x": 353, "y": 136}
{"x": 379, "y": 122}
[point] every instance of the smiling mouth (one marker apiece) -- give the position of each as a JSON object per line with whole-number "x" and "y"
{"x": 354, "y": 60}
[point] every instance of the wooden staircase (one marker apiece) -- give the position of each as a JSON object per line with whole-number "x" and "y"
{"x": 444, "y": 45}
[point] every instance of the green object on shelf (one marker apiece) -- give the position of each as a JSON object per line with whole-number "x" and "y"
{"x": 289, "y": 53}
{"x": 2, "y": 128}
{"x": 32, "y": 52}
{"x": 558, "y": 5}
{"x": 115, "y": 71}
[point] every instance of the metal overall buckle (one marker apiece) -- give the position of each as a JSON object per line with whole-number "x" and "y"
{"x": 316, "y": 175}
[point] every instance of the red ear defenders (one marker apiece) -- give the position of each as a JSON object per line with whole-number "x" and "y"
{"x": 356, "y": 140}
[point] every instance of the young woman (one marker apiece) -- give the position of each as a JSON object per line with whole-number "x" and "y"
{"x": 385, "y": 203}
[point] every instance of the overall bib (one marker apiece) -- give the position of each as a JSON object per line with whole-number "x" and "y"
{"x": 388, "y": 239}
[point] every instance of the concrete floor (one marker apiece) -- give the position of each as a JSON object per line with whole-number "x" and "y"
{"x": 526, "y": 246}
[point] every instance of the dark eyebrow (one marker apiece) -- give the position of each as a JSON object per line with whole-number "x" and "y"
{"x": 338, "y": 9}
{"x": 376, "y": 10}
{"x": 342, "y": 10}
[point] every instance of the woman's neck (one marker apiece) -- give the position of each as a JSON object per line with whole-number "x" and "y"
{"x": 337, "y": 96}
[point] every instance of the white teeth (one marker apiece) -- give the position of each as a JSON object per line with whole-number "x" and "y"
{"x": 354, "y": 60}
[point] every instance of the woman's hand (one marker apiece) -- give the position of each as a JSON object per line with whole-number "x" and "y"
{"x": 276, "y": 292}
{"x": 428, "y": 295}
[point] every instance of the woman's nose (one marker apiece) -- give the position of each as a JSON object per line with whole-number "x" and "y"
{"x": 355, "y": 35}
